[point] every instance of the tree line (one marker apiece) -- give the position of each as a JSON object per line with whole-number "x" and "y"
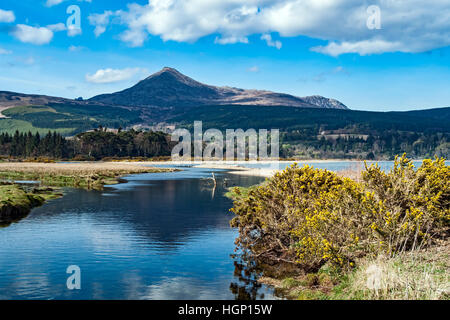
{"x": 101, "y": 143}
{"x": 93, "y": 145}
{"x": 376, "y": 146}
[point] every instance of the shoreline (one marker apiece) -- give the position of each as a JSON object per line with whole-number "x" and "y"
{"x": 17, "y": 200}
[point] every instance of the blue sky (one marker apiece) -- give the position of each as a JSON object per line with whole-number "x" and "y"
{"x": 299, "y": 47}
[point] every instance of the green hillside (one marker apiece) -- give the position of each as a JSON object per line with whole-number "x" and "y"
{"x": 328, "y": 133}
{"x": 67, "y": 119}
{"x": 11, "y": 125}
{"x": 289, "y": 118}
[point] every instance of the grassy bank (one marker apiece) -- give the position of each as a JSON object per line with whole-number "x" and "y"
{"x": 417, "y": 275}
{"x": 16, "y": 201}
{"x": 89, "y": 175}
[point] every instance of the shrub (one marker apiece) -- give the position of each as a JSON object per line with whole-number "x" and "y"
{"x": 307, "y": 216}
{"x": 304, "y": 216}
{"x": 414, "y": 205}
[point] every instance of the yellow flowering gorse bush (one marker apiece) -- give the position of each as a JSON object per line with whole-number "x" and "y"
{"x": 308, "y": 216}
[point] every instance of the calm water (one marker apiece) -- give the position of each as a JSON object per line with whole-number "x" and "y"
{"x": 159, "y": 236}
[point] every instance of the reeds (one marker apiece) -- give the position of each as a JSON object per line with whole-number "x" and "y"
{"x": 85, "y": 175}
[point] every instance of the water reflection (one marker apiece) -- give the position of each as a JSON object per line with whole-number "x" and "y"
{"x": 155, "y": 237}
{"x": 159, "y": 236}
{"x": 246, "y": 286}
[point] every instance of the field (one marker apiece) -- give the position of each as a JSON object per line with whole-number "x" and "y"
{"x": 11, "y": 125}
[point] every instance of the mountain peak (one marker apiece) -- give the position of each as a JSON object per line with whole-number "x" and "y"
{"x": 168, "y": 70}
{"x": 170, "y": 88}
{"x": 170, "y": 76}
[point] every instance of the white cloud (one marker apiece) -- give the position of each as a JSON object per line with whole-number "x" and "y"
{"x": 34, "y": 35}
{"x": 100, "y": 21}
{"x": 134, "y": 37}
{"x": 268, "y": 38}
{"x": 231, "y": 40}
{"x": 7, "y": 16}
{"x": 57, "y": 27}
{"x": 73, "y": 48}
{"x": 406, "y": 26}
{"x": 363, "y": 48}
{"x": 253, "y": 69}
{"x": 113, "y": 75}
{"x": 51, "y": 3}
{"x": 4, "y": 51}
{"x": 73, "y": 31}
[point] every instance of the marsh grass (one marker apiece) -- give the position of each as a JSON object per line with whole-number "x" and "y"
{"x": 89, "y": 175}
{"x": 17, "y": 201}
{"x": 416, "y": 275}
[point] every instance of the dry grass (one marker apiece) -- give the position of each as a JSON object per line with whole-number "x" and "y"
{"x": 85, "y": 175}
{"x": 416, "y": 275}
{"x": 81, "y": 169}
{"x": 354, "y": 172}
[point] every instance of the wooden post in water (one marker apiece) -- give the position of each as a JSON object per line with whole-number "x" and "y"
{"x": 214, "y": 179}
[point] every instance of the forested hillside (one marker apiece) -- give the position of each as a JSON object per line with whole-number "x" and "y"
{"x": 344, "y": 134}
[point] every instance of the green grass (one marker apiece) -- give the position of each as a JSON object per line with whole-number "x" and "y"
{"x": 22, "y": 110}
{"x": 94, "y": 181}
{"x": 16, "y": 202}
{"x": 418, "y": 275}
{"x": 236, "y": 193}
{"x": 67, "y": 119}
{"x": 11, "y": 125}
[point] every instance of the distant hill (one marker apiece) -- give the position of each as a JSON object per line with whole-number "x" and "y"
{"x": 14, "y": 99}
{"x": 67, "y": 118}
{"x": 170, "y": 88}
{"x": 171, "y": 97}
{"x": 291, "y": 119}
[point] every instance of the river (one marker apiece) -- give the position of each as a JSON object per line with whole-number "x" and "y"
{"x": 158, "y": 236}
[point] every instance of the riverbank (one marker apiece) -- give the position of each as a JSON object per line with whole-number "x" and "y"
{"x": 16, "y": 201}
{"x": 417, "y": 275}
{"x": 274, "y": 167}
{"x": 90, "y": 175}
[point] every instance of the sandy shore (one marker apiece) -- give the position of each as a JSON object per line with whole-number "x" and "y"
{"x": 256, "y": 172}
{"x": 80, "y": 168}
{"x": 129, "y": 167}
{"x": 210, "y": 164}
{"x": 237, "y": 167}
{"x": 234, "y": 167}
